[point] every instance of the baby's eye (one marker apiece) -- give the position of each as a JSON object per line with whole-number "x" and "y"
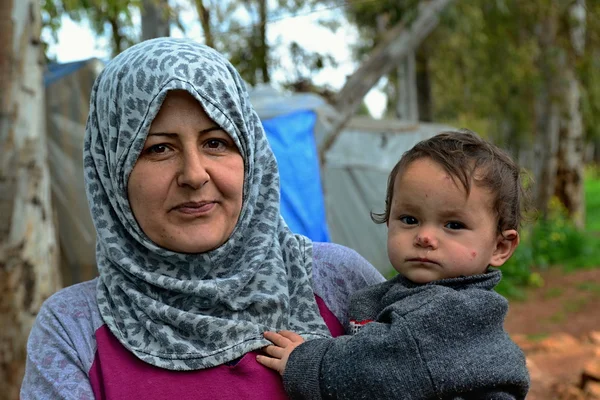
{"x": 408, "y": 220}
{"x": 454, "y": 225}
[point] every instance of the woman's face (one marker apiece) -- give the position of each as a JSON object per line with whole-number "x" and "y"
{"x": 186, "y": 187}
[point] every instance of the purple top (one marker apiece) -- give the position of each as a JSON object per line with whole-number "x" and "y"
{"x": 73, "y": 355}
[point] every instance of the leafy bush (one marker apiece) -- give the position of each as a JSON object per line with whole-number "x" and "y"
{"x": 550, "y": 242}
{"x": 592, "y": 199}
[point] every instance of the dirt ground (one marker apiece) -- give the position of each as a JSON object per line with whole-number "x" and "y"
{"x": 568, "y": 302}
{"x": 559, "y": 318}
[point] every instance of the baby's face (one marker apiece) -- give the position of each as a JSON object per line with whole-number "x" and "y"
{"x": 435, "y": 231}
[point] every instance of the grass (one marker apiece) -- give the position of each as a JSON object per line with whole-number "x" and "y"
{"x": 590, "y": 287}
{"x": 559, "y": 317}
{"x": 570, "y": 306}
{"x": 553, "y": 293}
{"x": 592, "y": 200}
{"x": 575, "y": 305}
{"x": 537, "y": 337}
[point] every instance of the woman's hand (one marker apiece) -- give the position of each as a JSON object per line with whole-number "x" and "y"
{"x": 284, "y": 342}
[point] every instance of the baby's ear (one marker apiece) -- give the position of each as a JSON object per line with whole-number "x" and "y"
{"x": 506, "y": 243}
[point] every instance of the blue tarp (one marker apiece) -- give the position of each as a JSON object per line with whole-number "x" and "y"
{"x": 302, "y": 204}
{"x": 56, "y": 71}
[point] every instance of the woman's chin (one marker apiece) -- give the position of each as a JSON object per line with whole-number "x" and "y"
{"x": 192, "y": 245}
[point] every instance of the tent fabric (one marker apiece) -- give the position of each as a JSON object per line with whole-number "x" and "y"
{"x": 56, "y": 71}
{"x": 68, "y": 87}
{"x": 302, "y": 204}
{"x": 270, "y": 103}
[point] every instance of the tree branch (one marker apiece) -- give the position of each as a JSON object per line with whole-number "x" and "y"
{"x": 396, "y": 43}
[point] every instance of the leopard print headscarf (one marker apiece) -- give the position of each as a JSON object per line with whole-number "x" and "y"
{"x": 190, "y": 311}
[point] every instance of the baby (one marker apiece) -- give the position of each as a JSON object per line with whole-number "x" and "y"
{"x": 453, "y": 210}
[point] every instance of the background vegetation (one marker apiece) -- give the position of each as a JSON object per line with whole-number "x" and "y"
{"x": 525, "y": 74}
{"x": 555, "y": 242}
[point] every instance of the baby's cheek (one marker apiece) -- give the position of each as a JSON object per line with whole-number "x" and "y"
{"x": 461, "y": 253}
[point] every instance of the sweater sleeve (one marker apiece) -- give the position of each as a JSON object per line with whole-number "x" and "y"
{"x": 61, "y": 347}
{"x": 439, "y": 343}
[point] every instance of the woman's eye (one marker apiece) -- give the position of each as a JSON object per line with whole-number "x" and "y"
{"x": 216, "y": 144}
{"x": 408, "y": 220}
{"x": 157, "y": 149}
{"x": 455, "y": 225}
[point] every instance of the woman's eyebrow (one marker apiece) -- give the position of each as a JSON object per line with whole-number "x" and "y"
{"x": 174, "y": 135}
{"x": 212, "y": 128}
{"x": 171, "y": 135}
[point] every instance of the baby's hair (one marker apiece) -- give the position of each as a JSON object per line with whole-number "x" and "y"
{"x": 469, "y": 159}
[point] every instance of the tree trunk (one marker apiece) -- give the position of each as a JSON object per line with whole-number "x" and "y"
{"x": 155, "y": 19}
{"x": 424, "y": 97}
{"x": 596, "y": 151}
{"x": 547, "y": 110}
{"x": 407, "y": 107}
{"x": 117, "y": 37}
{"x": 204, "y": 15}
{"x": 28, "y": 250}
{"x": 569, "y": 174}
{"x": 569, "y": 180}
{"x": 397, "y": 43}
{"x": 263, "y": 46}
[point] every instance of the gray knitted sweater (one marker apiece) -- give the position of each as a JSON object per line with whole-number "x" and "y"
{"x": 442, "y": 340}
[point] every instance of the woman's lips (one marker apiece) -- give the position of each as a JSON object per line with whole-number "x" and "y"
{"x": 195, "y": 209}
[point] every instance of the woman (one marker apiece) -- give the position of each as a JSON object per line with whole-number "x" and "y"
{"x": 194, "y": 259}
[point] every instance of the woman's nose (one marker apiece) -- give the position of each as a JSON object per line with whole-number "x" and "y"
{"x": 193, "y": 172}
{"x": 426, "y": 238}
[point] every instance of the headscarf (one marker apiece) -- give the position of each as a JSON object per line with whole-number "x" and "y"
{"x": 190, "y": 311}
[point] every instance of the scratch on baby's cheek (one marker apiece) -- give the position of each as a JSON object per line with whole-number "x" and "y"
{"x": 473, "y": 254}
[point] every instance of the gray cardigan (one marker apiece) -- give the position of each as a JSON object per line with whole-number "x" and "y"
{"x": 442, "y": 340}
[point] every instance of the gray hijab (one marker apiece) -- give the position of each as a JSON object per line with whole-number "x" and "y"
{"x": 190, "y": 311}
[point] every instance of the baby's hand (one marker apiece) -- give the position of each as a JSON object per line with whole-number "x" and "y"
{"x": 284, "y": 342}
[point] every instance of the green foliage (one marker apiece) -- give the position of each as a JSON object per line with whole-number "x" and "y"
{"x": 238, "y": 28}
{"x": 239, "y": 31}
{"x": 105, "y": 17}
{"x": 591, "y": 287}
{"x": 483, "y": 63}
{"x": 552, "y": 242}
{"x": 486, "y": 62}
{"x": 592, "y": 200}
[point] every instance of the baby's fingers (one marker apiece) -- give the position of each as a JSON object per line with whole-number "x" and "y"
{"x": 276, "y": 338}
{"x": 274, "y": 351}
{"x": 271, "y": 363}
{"x": 292, "y": 336}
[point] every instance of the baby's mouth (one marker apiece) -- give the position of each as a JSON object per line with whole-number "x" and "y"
{"x": 422, "y": 260}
